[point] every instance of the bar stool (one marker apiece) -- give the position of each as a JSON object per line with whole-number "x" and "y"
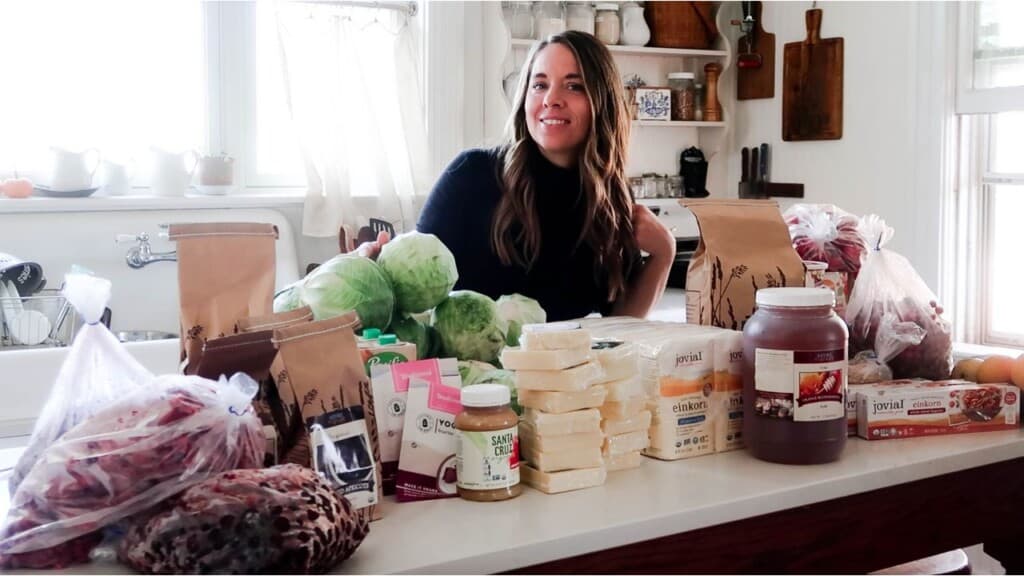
{"x": 952, "y": 562}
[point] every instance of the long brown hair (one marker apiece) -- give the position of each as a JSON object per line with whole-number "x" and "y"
{"x": 607, "y": 202}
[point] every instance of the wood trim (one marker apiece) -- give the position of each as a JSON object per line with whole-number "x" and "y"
{"x": 852, "y": 535}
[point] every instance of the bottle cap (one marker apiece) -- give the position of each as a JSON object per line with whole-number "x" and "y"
{"x": 796, "y": 297}
{"x": 485, "y": 396}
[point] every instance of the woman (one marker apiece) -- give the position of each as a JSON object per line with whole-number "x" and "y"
{"x": 548, "y": 214}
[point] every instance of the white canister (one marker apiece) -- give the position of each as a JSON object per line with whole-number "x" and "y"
{"x": 549, "y": 19}
{"x": 607, "y": 27}
{"x": 521, "y": 20}
{"x": 580, "y": 16}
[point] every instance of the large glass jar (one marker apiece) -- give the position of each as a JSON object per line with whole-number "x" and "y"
{"x": 794, "y": 377}
{"x": 521, "y": 20}
{"x": 580, "y": 16}
{"x": 684, "y": 96}
{"x": 607, "y": 27}
{"x": 549, "y": 18}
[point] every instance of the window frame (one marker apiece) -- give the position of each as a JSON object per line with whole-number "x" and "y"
{"x": 968, "y": 99}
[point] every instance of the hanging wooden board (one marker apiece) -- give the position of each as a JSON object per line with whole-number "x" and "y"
{"x": 812, "y": 85}
{"x": 754, "y": 83}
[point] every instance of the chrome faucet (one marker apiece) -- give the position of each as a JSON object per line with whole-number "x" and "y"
{"x": 142, "y": 254}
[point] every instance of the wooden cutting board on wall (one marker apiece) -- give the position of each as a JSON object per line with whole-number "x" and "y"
{"x": 812, "y": 85}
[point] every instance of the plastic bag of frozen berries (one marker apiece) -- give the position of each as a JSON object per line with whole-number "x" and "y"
{"x": 825, "y": 233}
{"x": 890, "y": 297}
{"x": 125, "y": 458}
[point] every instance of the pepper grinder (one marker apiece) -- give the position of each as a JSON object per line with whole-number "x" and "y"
{"x": 712, "y": 109}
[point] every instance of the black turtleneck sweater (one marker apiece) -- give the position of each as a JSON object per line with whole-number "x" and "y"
{"x": 460, "y": 211}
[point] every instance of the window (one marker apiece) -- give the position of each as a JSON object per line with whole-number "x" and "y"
{"x": 988, "y": 202}
{"x": 121, "y": 76}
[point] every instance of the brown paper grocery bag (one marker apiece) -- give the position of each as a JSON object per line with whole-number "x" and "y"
{"x": 744, "y": 246}
{"x": 226, "y": 272}
{"x": 276, "y": 388}
{"x": 323, "y": 366}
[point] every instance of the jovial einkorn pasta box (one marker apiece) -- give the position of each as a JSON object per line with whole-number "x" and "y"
{"x": 932, "y": 408}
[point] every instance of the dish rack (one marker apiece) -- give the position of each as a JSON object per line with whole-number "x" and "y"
{"x": 21, "y": 327}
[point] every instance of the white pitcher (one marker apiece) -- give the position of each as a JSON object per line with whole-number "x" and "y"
{"x": 635, "y": 31}
{"x": 117, "y": 177}
{"x": 71, "y": 171}
{"x": 170, "y": 173}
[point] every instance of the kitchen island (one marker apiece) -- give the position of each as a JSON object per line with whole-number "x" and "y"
{"x": 883, "y": 503}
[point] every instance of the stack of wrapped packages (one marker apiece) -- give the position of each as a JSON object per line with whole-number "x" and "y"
{"x": 692, "y": 381}
{"x": 625, "y": 419}
{"x": 560, "y": 431}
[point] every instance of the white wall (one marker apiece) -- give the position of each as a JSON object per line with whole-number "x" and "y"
{"x": 888, "y": 160}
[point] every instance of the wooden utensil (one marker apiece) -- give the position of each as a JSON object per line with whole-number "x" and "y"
{"x": 756, "y": 81}
{"x": 812, "y": 94}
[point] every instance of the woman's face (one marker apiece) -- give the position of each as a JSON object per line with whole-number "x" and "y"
{"x": 557, "y": 106}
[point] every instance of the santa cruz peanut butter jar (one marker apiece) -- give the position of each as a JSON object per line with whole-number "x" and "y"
{"x": 794, "y": 377}
{"x": 487, "y": 456}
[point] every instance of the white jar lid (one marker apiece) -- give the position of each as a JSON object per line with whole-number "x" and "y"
{"x": 680, "y": 75}
{"x": 485, "y": 395}
{"x": 612, "y": 7}
{"x": 796, "y": 297}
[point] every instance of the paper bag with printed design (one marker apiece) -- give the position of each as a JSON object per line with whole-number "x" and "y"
{"x": 744, "y": 246}
{"x": 276, "y": 395}
{"x": 226, "y": 272}
{"x": 325, "y": 371}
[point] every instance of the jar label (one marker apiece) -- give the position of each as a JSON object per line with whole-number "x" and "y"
{"x": 488, "y": 460}
{"x": 800, "y": 386}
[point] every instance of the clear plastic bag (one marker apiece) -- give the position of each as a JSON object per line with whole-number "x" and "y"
{"x": 892, "y": 338}
{"x": 891, "y": 306}
{"x": 825, "y": 233}
{"x": 129, "y": 456}
{"x": 97, "y": 371}
{"x": 280, "y": 520}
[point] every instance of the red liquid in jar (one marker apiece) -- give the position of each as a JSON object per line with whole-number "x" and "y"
{"x": 812, "y": 334}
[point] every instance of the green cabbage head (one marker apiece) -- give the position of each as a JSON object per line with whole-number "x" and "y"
{"x": 475, "y": 372}
{"x": 470, "y": 326}
{"x": 421, "y": 269}
{"x": 517, "y": 310}
{"x": 288, "y": 298}
{"x": 409, "y": 329}
{"x": 349, "y": 282}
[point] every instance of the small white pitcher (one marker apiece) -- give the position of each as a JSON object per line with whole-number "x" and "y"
{"x": 170, "y": 173}
{"x": 72, "y": 171}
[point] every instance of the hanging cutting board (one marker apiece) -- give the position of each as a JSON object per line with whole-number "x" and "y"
{"x": 812, "y": 85}
{"x": 753, "y": 83}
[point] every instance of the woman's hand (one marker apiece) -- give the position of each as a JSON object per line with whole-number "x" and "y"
{"x": 652, "y": 236}
{"x": 372, "y": 249}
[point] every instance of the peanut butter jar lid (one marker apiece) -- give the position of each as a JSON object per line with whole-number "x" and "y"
{"x": 485, "y": 396}
{"x": 796, "y": 297}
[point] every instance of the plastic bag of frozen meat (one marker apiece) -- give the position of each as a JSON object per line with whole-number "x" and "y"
{"x": 890, "y": 300}
{"x": 173, "y": 433}
{"x": 97, "y": 371}
{"x": 280, "y": 520}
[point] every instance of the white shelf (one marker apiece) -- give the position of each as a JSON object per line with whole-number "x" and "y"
{"x": 642, "y": 50}
{"x": 678, "y": 124}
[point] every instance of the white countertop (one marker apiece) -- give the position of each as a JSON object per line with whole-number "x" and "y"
{"x": 658, "y": 499}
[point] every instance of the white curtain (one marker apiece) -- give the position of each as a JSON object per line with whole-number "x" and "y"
{"x": 352, "y": 86}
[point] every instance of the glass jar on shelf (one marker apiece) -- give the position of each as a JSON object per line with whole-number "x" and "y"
{"x": 521, "y": 20}
{"x": 684, "y": 96}
{"x": 650, "y": 185}
{"x": 549, "y": 18}
{"x": 580, "y": 16}
{"x": 674, "y": 186}
{"x": 636, "y": 185}
{"x": 607, "y": 26}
